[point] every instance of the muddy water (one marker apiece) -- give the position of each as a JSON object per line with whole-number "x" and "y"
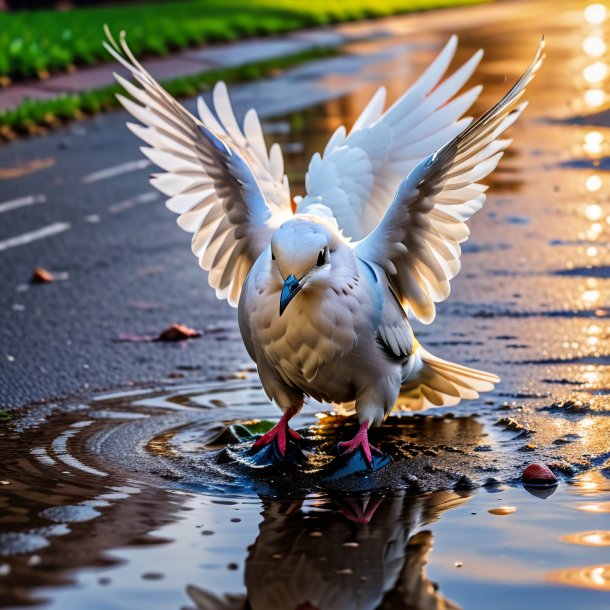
{"x": 150, "y": 498}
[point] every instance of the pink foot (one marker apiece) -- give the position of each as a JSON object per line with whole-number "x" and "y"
{"x": 281, "y": 431}
{"x": 360, "y": 440}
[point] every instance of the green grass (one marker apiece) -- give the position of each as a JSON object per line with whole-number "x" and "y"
{"x": 36, "y": 43}
{"x": 6, "y": 416}
{"x": 33, "y": 116}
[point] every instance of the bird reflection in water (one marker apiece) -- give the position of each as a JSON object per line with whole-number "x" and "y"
{"x": 350, "y": 552}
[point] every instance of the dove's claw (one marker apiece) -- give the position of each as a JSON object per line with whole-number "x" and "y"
{"x": 294, "y": 434}
{"x": 360, "y": 440}
{"x": 279, "y": 432}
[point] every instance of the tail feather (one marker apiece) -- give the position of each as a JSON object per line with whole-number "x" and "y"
{"x": 434, "y": 382}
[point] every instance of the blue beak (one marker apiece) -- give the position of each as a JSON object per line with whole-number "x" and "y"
{"x": 289, "y": 290}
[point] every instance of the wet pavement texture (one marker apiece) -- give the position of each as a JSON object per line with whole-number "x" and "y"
{"x": 150, "y": 497}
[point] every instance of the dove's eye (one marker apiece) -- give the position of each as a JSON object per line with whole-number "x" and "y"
{"x": 322, "y": 256}
{"x": 272, "y": 256}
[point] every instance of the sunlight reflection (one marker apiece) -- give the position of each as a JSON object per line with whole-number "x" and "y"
{"x": 593, "y": 142}
{"x": 502, "y": 510}
{"x": 592, "y": 252}
{"x": 592, "y": 482}
{"x": 593, "y": 183}
{"x": 591, "y": 376}
{"x": 593, "y": 211}
{"x": 595, "y": 97}
{"x": 595, "y": 13}
{"x": 596, "y": 72}
{"x": 594, "y": 507}
{"x": 594, "y": 46}
{"x": 594, "y": 538}
{"x": 590, "y": 296}
{"x": 592, "y": 577}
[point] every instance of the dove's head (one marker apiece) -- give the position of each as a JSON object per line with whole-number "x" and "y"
{"x": 308, "y": 253}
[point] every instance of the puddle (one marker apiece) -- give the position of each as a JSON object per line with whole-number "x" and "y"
{"x": 149, "y": 496}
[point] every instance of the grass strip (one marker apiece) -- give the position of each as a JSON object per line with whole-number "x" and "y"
{"x": 34, "y": 44}
{"x": 38, "y": 116}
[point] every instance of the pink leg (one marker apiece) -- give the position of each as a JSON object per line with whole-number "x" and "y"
{"x": 360, "y": 440}
{"x": 360, "y": 510}
{"x": 281, "y": 431}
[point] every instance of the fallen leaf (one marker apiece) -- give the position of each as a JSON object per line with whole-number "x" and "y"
{"x": 25, "y": 168}
{"x": 175, "y": 332}
{"x": 42, "y": 276}
{"x": 178, "y": 332}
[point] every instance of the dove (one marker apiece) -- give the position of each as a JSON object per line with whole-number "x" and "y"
{"x": 325, "y": 293}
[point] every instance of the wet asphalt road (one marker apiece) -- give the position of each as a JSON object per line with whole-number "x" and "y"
{"x": 126, "y": 266}
{"x": 535, "y": 273}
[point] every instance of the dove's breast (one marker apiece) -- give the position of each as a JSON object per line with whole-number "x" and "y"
{"x": 309, "y": 345}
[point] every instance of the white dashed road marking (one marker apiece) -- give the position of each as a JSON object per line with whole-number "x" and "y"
{"x": 21, "y": 202}
{"x": 26, "y": 238}
{"x": 133, "y": 201}
{"x": 116, "y": 170}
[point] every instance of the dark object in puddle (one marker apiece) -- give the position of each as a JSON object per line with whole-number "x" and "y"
{"x": 42, "y": 276}
{"x": 270, "y": 455}
{"x": 540, "y": 492}
{"x": 539, "y": 475}
{"x": 465, "y": 483}
{"x": 353, "y": 463}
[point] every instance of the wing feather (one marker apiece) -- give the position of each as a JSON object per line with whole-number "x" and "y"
{"x": 417, "y": 241}
{"x": 389, "y": 145}
{"x": 250, "y": 144}
{"x": 209, "y": 182}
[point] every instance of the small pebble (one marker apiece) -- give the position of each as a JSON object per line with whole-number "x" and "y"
{"x": 465, "y": 482}
{"x": 483, "y": 448}
{"x": 539, "y": 475}
{"x": 152, "y": 576}
{"x": 42, "y": 276}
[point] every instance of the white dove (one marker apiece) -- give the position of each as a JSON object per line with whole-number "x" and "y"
{"x": 323, "y": 293}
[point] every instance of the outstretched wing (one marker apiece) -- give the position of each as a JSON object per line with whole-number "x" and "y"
{"x": 268, "y": 167}
{"x": 210, "y": 184}
{"x": 418, "y": 240}
{"x": 359, "y": 173}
